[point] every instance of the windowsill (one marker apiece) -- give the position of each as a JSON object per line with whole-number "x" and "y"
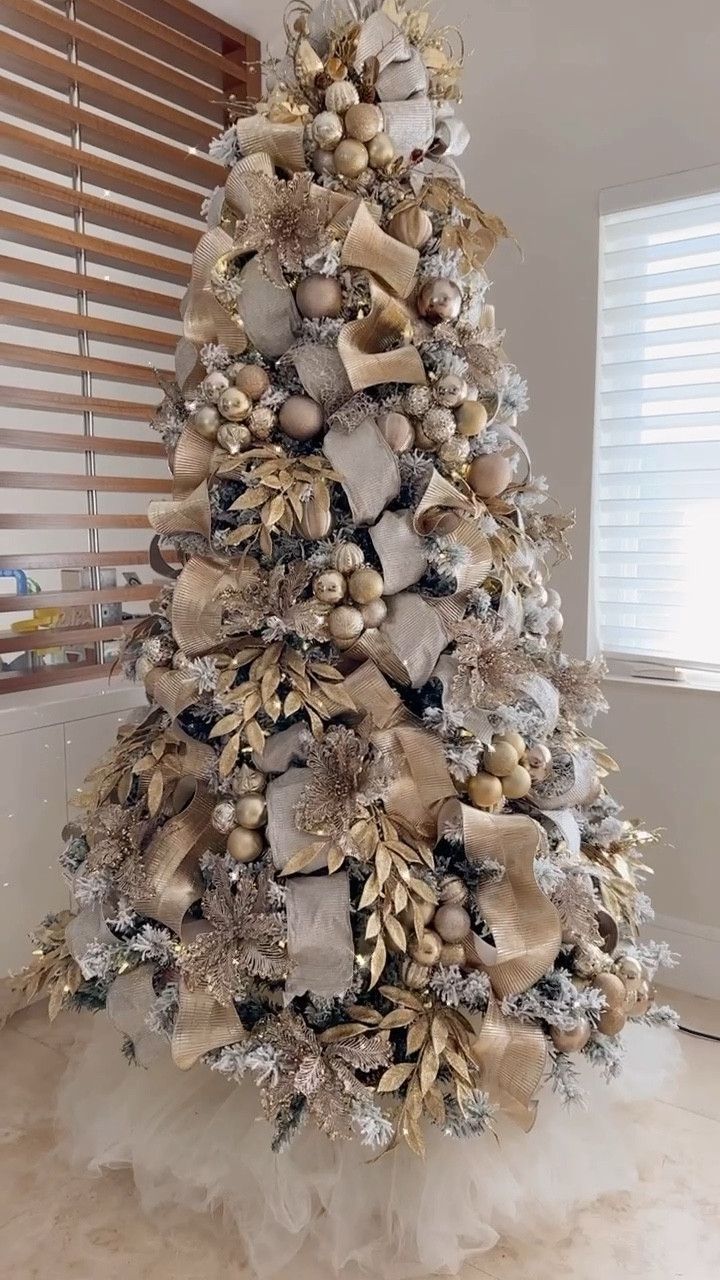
{"x": 694, "y": 682}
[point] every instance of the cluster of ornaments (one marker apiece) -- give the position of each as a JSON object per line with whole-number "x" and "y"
{"x": 447, "y": 926}
{"x": 243, "y": 820}
{"x": 348, "y": 136}
{"x": 627, "y": 992}
{"x": 230, "y": 415}
{"x": 510, "y": 769}
{"x": 355, "y": 591}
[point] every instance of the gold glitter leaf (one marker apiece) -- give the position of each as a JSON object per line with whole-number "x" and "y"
{"x": 395, "y": 1077}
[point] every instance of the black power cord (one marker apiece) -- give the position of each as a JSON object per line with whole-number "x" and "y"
{"x": 699, "y": 1035}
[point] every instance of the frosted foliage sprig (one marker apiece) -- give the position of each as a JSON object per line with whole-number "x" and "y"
{"x": 371, "y": 1124}
{"x": 607, "y": 1053}
{"x": 455, "y": 988}
{"x": 565, "y": 1080}
{"x": 475, "y": 1118}
{"x": 555, "y": 1000}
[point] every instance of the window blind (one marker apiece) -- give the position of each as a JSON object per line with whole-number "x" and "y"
{"x": 657, "y": 433}
{"x": 106, "y": 112}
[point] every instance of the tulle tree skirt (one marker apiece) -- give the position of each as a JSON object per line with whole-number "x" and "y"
{"x": 321, "y": 1208}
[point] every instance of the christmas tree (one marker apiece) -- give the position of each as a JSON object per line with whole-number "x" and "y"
{"x": 358, "y": 852}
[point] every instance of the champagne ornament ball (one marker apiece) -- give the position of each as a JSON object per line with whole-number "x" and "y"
{"x": 427, "y": 949}
{"x": 244, "y": 845}
{"x": 572, "y": 1041}
{"x": 374, "y": 613}
{"x": 348, "y": 556}
{"x": 253, "y": 380}
{"x": 490, "y": 474}
{"x": 206, "y": 421}
{"x": 301, "y": 418}
{"x": 439, "y": 300}
{"x": 213, "y": 385}
{"x": 319, "y": 297}
{"x": 453, "y": 892}
{"x": 323, "y": 162}
{"x": 351, "y": 158}
{"x": 233, "y": 437}
{"x": 363, "y": 121}
{"x": 251, "y": 812}
{"x": 397, "y": 431}
{"x": 327, "y": 130}
{"x": 234, "y": 404}
{"x": 500, "y": 758}
{"x": 484, "y": 790}
{"x": 411, "y": 226}
{"x": 415, "y": 976}
{"x": 452, "y": 923}
{"x": 450, "y": 391}
{"x": 365, "y": 585}
{"x": 346, "y": 623}
{"x": 471, "y": 418}
{"x": 381, "y": 151}
{"x": 329, "y": 587}
{"x": 517, "y": 783}
{"x": 340, "y": 95}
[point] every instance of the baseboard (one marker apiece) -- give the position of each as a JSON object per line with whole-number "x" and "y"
{"x": 698, "y": 946}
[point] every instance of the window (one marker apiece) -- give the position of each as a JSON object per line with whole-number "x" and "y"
{"x": 656, "y": 602}
{"x": 106, "y": 108}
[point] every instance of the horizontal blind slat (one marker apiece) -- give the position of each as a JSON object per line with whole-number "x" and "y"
{"x": 19, "y": 356}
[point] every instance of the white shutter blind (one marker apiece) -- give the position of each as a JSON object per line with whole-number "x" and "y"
{"x": 657, "y": 433}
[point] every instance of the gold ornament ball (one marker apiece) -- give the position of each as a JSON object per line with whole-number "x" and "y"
{"x": 323, "y": 162}
{"x": 537, "y": 761}
{"x": 500, "y": 759}
{"x": 318, "y": 297}
{"x": 612, "y": 1021}
{"x": 484, "y": 790}
{"x": 301, "y": 418}
{"x": 262, "y": 422}
{"x": 489, "y": 475}
{"x": 438, "y": 425}
{"x": 374, "y": 613}
{"x": 454, "y": 452}
{"x": 351, "y": 158}
{"x": 251, "y": 812}
{"x": 417, "y": 401}
{"x": 450, "y": 391}
{"x": 452, "y": 923}
{"x": 327, "y": 130}
{"x": 571, "y": 1041}
{"x": 428, "y": 950}
{"x": 453, "y": 893}
{"x": 644, "y": 997}
{"x": 381, "y": 151}
{"x": 629, "y": 969}
{"x": 205, "y": 421}
{"x": 245, "y": 846}
{"x": 439, "y": 300}
{"x": 514, "y": 740}
{"x": 233, "y": 437}
{"x": 253, "y": 380}
{"x": 517, "y": 783}
{"x": 222, "y": 818}
{"x": 329, "y": 587}
{"x": 363, "y": 121}
{"x": 397, "y": 431}
{"x": 214, "y": 385}
{"x": 613, "y": 989}
{"x": 340, "y": 95}
{"x": 452, "y": 953}
{"x": 234, "y": 404}
{"x": 348, "y": 556}
{"x": 411, "y": 226}
{"x": 414, "y": 975}
{"x": 250, "y": 781}
{"x": 346, "y": 623}
{"x": 471, "y": 418}
{"x": 366, "y": 585}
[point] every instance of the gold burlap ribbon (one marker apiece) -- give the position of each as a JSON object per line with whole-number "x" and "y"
{"x": 400, "y": 550}
{"x": 172, "y": 690}
{"x": 402, "y": 83}
{"x": 189, "y": 513}
{"x": 204, "y": 319}
{"x": 524, "y": 923}
{"x": 526, "y": 933}
{"x": 369, "y": 346}
{"x": 283, "y": 143}
{"x": 172, "y": 860}
{"x": 196, "y": 606}
{"x": 367, "y": 467}
{"x": 371, "y": 249}
{"x": 444, "y": 509}
{"x": 202, "y": 1024}
{"x": 320, "y": 941}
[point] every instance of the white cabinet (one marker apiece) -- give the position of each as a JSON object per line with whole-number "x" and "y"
{"x": 49, "y": 740}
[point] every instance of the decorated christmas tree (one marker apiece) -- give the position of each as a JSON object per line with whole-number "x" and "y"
{"x": 358, "y": 853}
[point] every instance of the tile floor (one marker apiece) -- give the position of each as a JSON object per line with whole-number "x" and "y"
{"x": 57, "y": 1223}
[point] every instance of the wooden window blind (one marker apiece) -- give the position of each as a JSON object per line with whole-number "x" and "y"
{"x": 106, "y": 112}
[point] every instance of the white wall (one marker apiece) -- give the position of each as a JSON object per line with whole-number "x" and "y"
{"x": 564, "y": 98}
